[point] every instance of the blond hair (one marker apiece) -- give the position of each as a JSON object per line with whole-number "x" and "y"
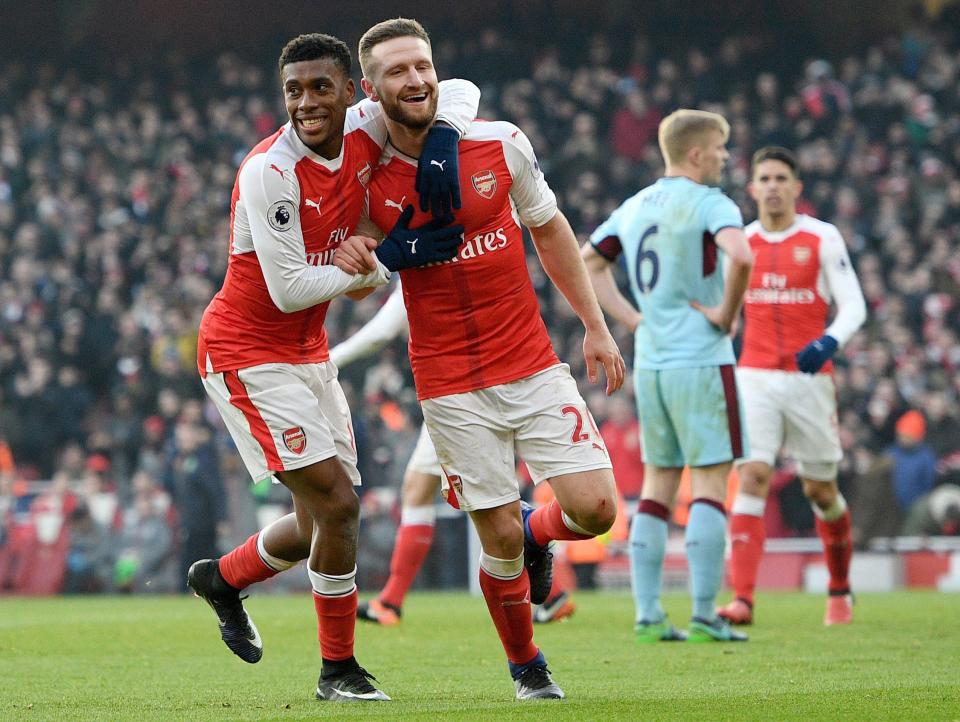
{"x": 683, "y": 129}
{"x": 388, "y": 30}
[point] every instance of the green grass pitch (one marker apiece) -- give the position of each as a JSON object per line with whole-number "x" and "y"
{"x": 161, "y": 658}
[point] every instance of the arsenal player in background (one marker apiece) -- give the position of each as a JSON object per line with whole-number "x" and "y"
{"x": 262, "y": 350}
{"x": 784, "y": 376}
{"x": 487, "y": 377}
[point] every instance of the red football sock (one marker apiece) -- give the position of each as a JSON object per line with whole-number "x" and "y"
{"x": 747, "y": 534}
{"x": 837, "y": 550}
{"x": 509, "y": 603}
{"x": 546, "y": 524}
{"x": 336, "y": 621}
{"x": 410, "y": 549}
{"x": 244, "y": 566}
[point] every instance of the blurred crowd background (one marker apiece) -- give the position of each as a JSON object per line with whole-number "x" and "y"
{"x": 115, "y": 180}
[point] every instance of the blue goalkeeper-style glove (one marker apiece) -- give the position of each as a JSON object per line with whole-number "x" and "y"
{"x": 815, "y": 354}
{"x": 438, "y": 172}
{"x": 407, "y": 247}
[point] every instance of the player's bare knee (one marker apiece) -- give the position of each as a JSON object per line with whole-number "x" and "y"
{"x": 821, "y": 493}
{"x": 598, "y": 517}
{"x": 337, "y": 506}
{"x": 755, "y": 478}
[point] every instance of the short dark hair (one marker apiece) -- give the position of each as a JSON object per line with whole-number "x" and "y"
{"x": 314, "y": 46}
{"x": 388, "y": 30}
{"x": 775, "y": 152}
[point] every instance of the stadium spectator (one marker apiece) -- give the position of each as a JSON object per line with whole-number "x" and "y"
{"x": 935, "y": 514}
{"x": 193, "y": 480}
{"x": 914, "y": 464}
{"x": 143, "y": 549}
{"x": 115, "y": 190}
{"x": 91, "y": 553}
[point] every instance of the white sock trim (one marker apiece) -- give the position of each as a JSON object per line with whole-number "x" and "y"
{"x": 505, "y": 569}
{"x": 834, "y": 512}
{"x": 275, "y": 563}
{"x": 418, "y": 515}
{"x": 333, "y": 585}
{"x": 573, "y": 526}
{"x": 749, "y": 505}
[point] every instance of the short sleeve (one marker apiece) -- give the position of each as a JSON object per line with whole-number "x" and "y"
{"x": 719, "y": 212}
{"x": 535, "y": 201}
{"x": 606, "y": 239}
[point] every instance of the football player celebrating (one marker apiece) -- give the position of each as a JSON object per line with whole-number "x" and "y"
{"x": 487, "y": 377}
{"x": 262, "y": 350}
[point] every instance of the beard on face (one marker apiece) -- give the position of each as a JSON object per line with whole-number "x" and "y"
{"x": 397, "y": 113}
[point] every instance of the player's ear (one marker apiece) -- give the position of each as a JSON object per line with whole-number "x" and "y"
{"x": 798, "y": 191}
{"x": 751, "y": 191}
{"x": 350, "y": 90}
{"x": 369, "y": 90}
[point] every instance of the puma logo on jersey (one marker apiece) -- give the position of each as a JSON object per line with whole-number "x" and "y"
{"x": 438, "y": 163}
{"x": 413, "y": 245}
{"x": 314, "y": 204}
{"x": 281, "y": 171}
{"x": 393, "y": 204}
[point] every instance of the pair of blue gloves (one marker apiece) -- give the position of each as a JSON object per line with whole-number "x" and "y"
{"x": 438, "y": 183}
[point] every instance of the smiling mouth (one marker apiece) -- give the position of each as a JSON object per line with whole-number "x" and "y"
{"x": 418, "y": 98}
{"x": 311, "y": 123}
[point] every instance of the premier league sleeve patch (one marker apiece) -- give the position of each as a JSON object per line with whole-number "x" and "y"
{"x": 280, "y": 215}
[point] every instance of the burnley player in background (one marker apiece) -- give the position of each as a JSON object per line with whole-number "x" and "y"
{"x": 487, "y": 377}
{"x": 671, "y": 233}
{"x": 262, "y": 350}
{"x": 784, "y": 373}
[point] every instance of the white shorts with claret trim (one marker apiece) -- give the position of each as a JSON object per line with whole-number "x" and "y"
{"x": 285, "y": 416}
{"x": 789, "y": 411}
{"x": 477, "y": 435}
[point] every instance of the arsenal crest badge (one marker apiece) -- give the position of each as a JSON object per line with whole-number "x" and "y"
{"x": 801, "y": 254}
{"x": 295, "y": 439}
{"x": 485, "y": 183}
{"x": 363, "y": 175}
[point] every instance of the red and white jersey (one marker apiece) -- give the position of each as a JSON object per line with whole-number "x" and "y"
{"x": 290, "y": 210}
{"x": 796, "y": 275}
{"x": 475, "y": 320}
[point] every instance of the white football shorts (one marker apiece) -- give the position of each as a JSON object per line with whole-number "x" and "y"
{"x": 424, "y": 456}
{"x": 285, "y": 416}
{"x": 477, "y": 435}
{"x": 789, "y": 411}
